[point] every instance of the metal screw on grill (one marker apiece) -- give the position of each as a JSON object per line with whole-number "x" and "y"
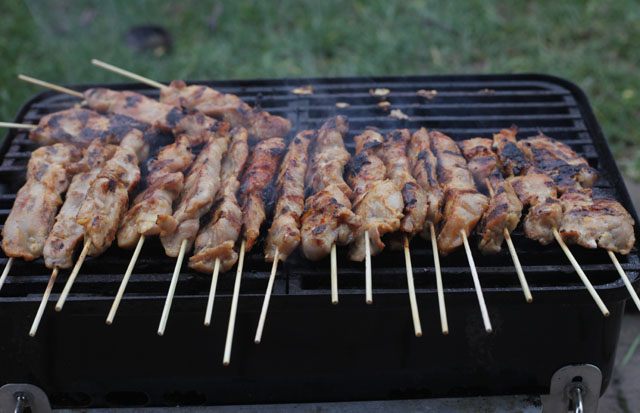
{"x": 575, "y": 393}
{"x": 22, "y": 402}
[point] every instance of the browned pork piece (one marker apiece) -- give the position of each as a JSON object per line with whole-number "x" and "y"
{"x": 81, "y": 126}
{"x": 424, "y": 166}
{"x": 151, "y": 213}
{"x": 533, "y": 187}
{"x": 200, "y": 188}
{"x": 66, "y": 234}
{"x": 227, "y": 107}
{"x": 261, "y": 167}
{"x": 464, "y": 205}
{"x": 505, "y": 208}
{"x": 378, "y": 201}
{"x": 284, "y": 234}
{"x": 25, "y": 231}
{"x": 218, "y": 237}
{"x": 329, "y": 156}
{"x": 108, "y": 197}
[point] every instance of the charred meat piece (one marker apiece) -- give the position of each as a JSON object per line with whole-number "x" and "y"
{"x": 81, "y": 126}
{"x": 218, "y": 237}
{"x": 464, "y": 205}
{"x": 230, "y": 108}
{"x": 200, "y": 188}
{"x": 424, "y": 167}
{"x": 284, "y": 234}
{"x": 48, "y": 165}
{"x": 482, "y": 161}
{"x": 329, "y": 156}
{"x": 66, "y": 234}
{"x": 327, "y": 219}
{"x": 199, "y": 128}
{"x": 366, "y": 167}
{"x": 511, "y": 159}
{"x": 259, "y": 173}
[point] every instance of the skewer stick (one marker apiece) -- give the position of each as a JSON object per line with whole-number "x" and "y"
{"x": 514, "y": 256}
{"x": 334, "y": 275}
{"x": 72, "y": 277}
{"x": 125, "y": 280}
{"x": 476, "y": 283}
{"x": 128, "y": 74}
{"x": 267, "y": 297}
{"x": 367, "y": 270}
{"x": 48, "y": 85}
{"x": 625, "y": 278}
{"x": 583, "y": 277}
{"x": 212, "y": 292}
{"x": 17, "y": 125}
{"x": 436, "y": 262}
{"x": 412, "y": 289}
{"x": 172, "y": 288}
{"x": 234, "y": 306}
{"x": 5, "y": 272}
{"x": 43, "y": 303}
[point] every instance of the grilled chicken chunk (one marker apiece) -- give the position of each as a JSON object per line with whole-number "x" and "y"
{"x": 366, "y": 167}
{"x": 511, "y": 160}
{"x": 259, "y": 173}
{"x": 230, "y": 108}
{"x": 560, "y": 162}
{"x": 32, "y": 215}
{"x": 424, "y": 167}
{"x": 482, "y": 161}
{"x": 200, "y": 188}
{"x": 66, "y": 234}
{"x": 218, "y": 237}
{"x": 284, "y": 234}
{"x": 327, "y": 219}
{"x": 399, "y": 172}
{"x": 81, "y": 126}
{"x": 464, "y": 205}
{"x": 329, "y": 156}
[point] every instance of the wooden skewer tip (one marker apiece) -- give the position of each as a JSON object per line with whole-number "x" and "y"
{"x": 267, "y": 298}
{"x": 72, "y": 277}
{"x": 212, "y": 292}
{"x": 172, "y": 288}
{"x": 368, "y": 275}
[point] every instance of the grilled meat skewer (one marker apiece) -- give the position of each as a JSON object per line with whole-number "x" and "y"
{"x": 424, "y": 166}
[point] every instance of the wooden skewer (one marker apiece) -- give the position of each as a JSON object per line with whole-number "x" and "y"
{"x": 125, "y": 280}
{"x": 43, "y": 303}
{"x": 476, "y": 283}
{"x": 267, "y": 297}
{"x": 514, "y": 256}
{"x": 212, "y": 292}
{"x": 172, "y": 288}
{"x": 583, "y": 276}
{"x": 436, "y": 262}
{"x": 624, "y": 277}
{"x": 72, "y": 277}
{"x": 412, "y": 289}
{"x": 128, "y": 74}
{"x": 5, "y": 272}
{"x": 334, "y": 275}
{"x": 234, "y": 306}
{"x": 50, "y": 86}
{"x": 17, "y": 125}
{"x": 367, "y": 270}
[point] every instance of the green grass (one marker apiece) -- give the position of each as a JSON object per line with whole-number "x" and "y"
{"x": 593, "y": 43}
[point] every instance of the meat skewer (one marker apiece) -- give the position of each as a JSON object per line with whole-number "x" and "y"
{"x": 106, "y": 201}
{"x": 424, "y": 168}
{"x": 284, "y": 235}
{"x": 537, "y": 190}
{"x": 591, "y": 219}
{"x": 227, "y": 107}
{"x": 150, "y": 213}
{"x": 200, "y": 188}
{"x": 216, "y": 240}
{"x": 259, "y": 173}
{"x": 32, "y": 216}
{"x": 505, "y": 208}
{"x": 327, "y": 218}
{"x": 463, "y": 208}
{"x": 66, "y": 234}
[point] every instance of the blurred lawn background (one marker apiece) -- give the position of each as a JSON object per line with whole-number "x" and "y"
{"x": 592, "y": 43}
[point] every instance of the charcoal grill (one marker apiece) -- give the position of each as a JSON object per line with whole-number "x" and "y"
{"x": 313, "y": 351}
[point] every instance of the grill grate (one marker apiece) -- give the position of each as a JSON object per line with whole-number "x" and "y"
{"x": 464, "y": 107}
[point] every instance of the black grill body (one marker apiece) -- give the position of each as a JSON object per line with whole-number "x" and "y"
{"x": 311, "y": 350}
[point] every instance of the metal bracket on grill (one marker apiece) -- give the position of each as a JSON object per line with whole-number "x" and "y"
{"x": 17, "y": 397}
{"x": 575, "y": 387}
